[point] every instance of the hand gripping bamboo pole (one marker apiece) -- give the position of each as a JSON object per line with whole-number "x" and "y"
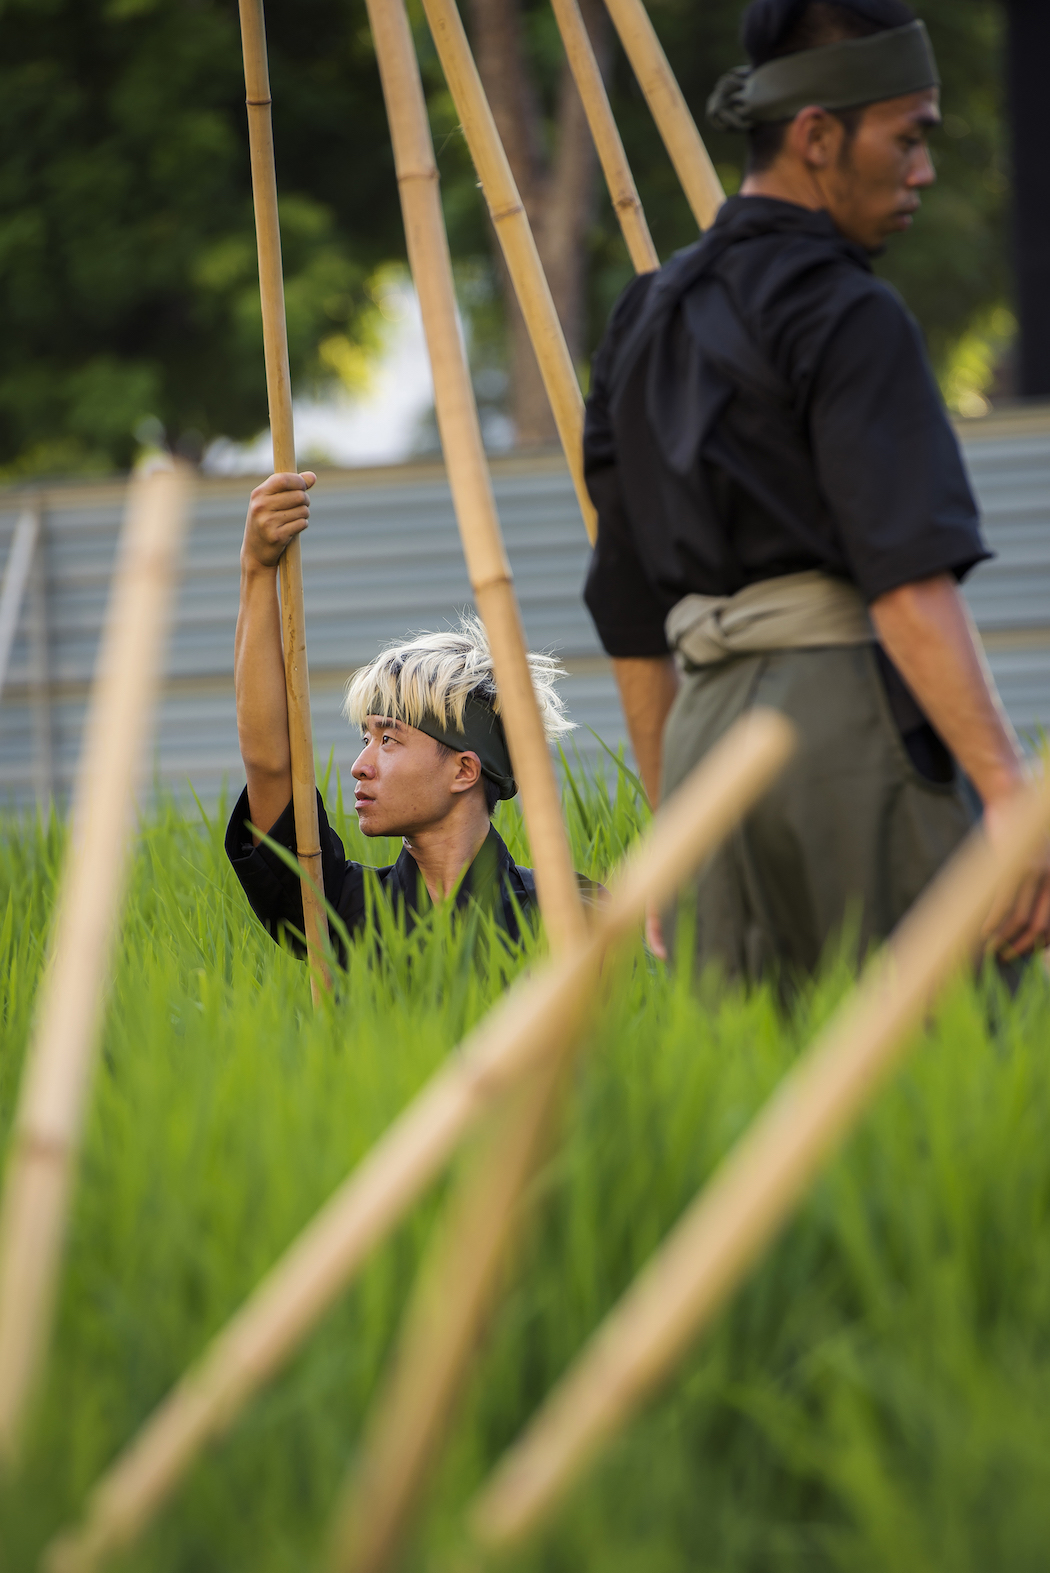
{"x": 752, "y": 1194}
{"x": 693, "y": 166}
{"x": 533, "y": 1022}
{"x": 48, "y": 1123}
{"x": 516, "y": 239}
{"x": 468, "y": 471}
{"x": 622, "y": 190}
{"x": 279, "y": 397}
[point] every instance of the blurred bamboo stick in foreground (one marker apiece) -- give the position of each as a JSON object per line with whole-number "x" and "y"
{"x": 685, "y": 147}
{"x": 533, "y": 1023}
{"x": 623, "y": 193}
{"x": 49, "y": 1121}
{"x": 511, "y": 223}
{"x": 457, "y": 1277}
{"x": 279, "y": 397}
{"x": 468, "y": 471}
{"x": 751, "y": 1195}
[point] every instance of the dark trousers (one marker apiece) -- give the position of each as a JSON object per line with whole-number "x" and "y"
{"x": 850, "y": 833}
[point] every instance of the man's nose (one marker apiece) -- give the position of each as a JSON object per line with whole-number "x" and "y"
{"x": 362, "y": 768}
{"x": 923, "y": 174}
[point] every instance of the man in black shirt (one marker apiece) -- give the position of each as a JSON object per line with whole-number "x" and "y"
{"x": 432, "y": 767}
{"x": 782, "y": 504}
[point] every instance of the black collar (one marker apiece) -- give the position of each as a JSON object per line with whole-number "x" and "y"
{"x": 483, "y": 880}
{"x": 745, "y": 218}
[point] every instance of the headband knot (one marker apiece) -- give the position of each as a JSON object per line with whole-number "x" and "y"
{"x": 846, "y": 75}
{"x": 727, "y": 106}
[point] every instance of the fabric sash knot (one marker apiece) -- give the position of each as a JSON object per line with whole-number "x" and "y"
{"x": 797, "y": 611}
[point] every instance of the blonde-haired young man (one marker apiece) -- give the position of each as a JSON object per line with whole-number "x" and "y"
{"x": 432, "y": 767}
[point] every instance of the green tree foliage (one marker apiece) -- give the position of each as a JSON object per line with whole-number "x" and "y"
{"x": 128, "y": 281}
{"x": 953, "y": 268}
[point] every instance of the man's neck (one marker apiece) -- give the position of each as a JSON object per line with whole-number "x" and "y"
{"x": 444, "y": 850}
{"x": 786, "y": 185}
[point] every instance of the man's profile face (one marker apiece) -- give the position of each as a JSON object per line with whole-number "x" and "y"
{"x": 405, "y": 782}
{"x": 873, "y": 188}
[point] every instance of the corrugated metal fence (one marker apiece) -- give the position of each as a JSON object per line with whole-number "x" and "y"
{"x": 382, "y": 557}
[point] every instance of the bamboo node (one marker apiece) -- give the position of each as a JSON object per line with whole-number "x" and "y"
{"x": 35, "y": 1144}
{"x": 258, "y": 103}
{"x": 430, "y": 173}
{"x": 499, "y": 214}
{"x": 493, "y": 582}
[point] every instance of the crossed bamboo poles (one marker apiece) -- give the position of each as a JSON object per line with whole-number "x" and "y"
{"x": 509, "y": 1067}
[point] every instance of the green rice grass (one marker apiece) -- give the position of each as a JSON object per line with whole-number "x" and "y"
{"x": 877, "y": 1396}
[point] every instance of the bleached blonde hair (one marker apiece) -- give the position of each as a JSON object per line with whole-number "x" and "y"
{"x": 436, "y": 673}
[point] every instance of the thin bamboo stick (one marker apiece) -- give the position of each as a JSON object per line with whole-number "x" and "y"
{"x": 532, "y": 1024}
{"x": 455, "y": 1283}
{"x": 738, "y": 1213}
{"x": 516, "y": 239}
{"x": 693, "y": 166}
{"x": 279, "y": 396}
{"x": 440, "y": 1332}
{"x": 46, "y": 1137}
{"x": 16, "y": 578}
{"x": 622, "y": 190}
{"x": 468, "y": 471}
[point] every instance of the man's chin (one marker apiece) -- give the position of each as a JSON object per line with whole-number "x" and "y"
{"x": 373, "y": 823}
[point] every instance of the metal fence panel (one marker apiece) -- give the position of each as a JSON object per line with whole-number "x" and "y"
{"x": 382, "y": 558}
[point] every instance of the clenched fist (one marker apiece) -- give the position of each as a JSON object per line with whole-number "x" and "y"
{"x": 278, "y": 511}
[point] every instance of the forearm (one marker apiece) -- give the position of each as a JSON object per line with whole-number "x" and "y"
{"x": 926, "y": 630}
{"x": 262, "y": 706}
{"x": 647, "y": 685}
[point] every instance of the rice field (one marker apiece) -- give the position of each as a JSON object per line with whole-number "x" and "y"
{"x": 877, "y": 1397}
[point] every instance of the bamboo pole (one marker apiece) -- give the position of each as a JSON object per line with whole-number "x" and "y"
{"x": 279, "y": 397}
{"x": 516, "y": 240}
{"x": 692, "y": 163}
{"x": 468, "y": 471}
{"x": 532, "y": 1024}
{"x": 440, "y": 1331}
{"x": 622, "y": 190}
{"x": 16, "y": 578}
{"x": 53, "y": 1096}
{"x": 455, "y": 1282}
{"x": 752, "y": 1194}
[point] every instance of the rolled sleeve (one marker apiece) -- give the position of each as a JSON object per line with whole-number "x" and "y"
{"x": 272, "y": 888}
{"x": 626, "y": 612}
{"x": 887, "y": 460}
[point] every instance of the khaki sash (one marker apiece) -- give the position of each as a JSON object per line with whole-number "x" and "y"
{"x": 796, "y": 612}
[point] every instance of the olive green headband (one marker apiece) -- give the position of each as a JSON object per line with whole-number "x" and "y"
{"x": 481, "y": 734}
{"x": 836, "y": 76}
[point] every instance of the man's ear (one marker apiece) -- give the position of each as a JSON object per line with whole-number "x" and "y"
{"x": 468, "y": 772}
{"x": 814, "y": 137}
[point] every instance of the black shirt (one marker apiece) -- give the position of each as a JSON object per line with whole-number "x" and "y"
{"x": 761, "y": 405}
{"x": 274, "y": 893}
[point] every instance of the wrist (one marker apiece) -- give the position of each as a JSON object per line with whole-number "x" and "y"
{"x": 1001, "y": 782}
{"x": 252, "y": 569}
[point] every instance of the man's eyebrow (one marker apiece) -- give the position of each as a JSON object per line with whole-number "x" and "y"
{"x": 388, "y": 723}
{"x": 928, "y": 117}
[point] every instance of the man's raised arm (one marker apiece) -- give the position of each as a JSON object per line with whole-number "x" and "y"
{"x": 279, "y": 510}
{"x": 926, "y": 630}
